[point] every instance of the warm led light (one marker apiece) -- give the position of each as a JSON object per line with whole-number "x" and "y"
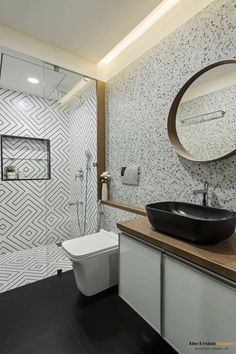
{"x": 33, "y": 80}
{"x": 142, "y": 27}
{"x": 75, "y": 91}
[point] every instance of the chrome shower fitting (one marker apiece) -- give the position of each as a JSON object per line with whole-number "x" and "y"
{"x": 79, "y": 174}
{"x": 88, "y": 156}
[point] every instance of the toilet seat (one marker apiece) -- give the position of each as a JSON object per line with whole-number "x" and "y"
{"x": 91, "y": 245}
{"x": 95, "y": 261}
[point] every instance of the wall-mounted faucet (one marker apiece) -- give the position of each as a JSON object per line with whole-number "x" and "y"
{"x": 204, "y": 192}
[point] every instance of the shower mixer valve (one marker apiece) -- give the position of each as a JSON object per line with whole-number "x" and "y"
{"x": 79, "y": 174}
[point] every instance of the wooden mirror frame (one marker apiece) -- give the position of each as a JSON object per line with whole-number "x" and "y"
{"x": 171, "y": 125}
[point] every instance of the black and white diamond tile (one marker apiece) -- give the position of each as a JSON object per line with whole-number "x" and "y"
{"x": 29, "y": 156}
{"x": 28, "y": 208}
{"x": 83, "y": 135}
{"x": 34, "y": 214}
{"x": 27, "y": 266}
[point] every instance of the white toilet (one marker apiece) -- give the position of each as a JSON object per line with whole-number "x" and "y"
{"x": 95, "y": 261}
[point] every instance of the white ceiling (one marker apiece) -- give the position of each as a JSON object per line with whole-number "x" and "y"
{"x": 87, "y": 28}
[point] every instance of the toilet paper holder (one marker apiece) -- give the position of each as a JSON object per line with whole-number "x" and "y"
{"x": 130, "y": 175}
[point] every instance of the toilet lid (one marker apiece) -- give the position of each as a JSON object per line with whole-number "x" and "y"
{"x": 89, "y": 245}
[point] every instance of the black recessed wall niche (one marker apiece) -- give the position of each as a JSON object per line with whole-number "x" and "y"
{"x": 25, "y": 158}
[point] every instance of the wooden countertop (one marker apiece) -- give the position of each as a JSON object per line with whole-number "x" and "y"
{"x": 219, "y": 258}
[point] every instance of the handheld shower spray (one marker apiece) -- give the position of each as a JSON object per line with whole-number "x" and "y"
{"x": 88, "y": 156}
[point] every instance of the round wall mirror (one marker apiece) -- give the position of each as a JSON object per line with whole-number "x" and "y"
{"x": 202, "y": 118}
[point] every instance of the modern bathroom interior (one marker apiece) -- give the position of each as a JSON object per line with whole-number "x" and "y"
{"x": 117, "y": 183}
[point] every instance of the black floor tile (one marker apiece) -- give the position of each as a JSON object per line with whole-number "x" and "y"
{"x": 30, "y": 323}
{"x": 53, "y": 317}
{"x": 104, "y": 323}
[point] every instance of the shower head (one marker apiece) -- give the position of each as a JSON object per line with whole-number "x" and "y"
{"x": 88, "y": 155}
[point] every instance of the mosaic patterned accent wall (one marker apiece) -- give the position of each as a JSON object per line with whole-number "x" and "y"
{"x": 138, "y": 102}
{"x": 112, "y": 216}
{"x": 33, "y": 213}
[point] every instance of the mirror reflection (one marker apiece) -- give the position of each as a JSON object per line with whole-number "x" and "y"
{"x": 206, "y": 116}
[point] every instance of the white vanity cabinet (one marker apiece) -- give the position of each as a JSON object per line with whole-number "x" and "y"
{"x": 190, "y": 306}
{"x": 198, "y": 307}
{"x": 139, "y": 278}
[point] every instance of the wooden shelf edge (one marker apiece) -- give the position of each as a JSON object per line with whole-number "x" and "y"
{"x": 127, "y": 207}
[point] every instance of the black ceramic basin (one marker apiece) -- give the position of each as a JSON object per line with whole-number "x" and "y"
{"x": 192, "y": 222}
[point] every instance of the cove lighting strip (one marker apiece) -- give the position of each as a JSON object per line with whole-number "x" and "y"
{"x": 137, "y": 32}
{"x": 75, "y": 91}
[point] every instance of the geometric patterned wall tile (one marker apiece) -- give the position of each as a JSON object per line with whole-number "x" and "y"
{"x": 27, "y": 266}
{"x": 34, "y": 215}
{"x": 83, "y": 136}
{"x": 28, "y": 155}
{"x": 35, "y": 212}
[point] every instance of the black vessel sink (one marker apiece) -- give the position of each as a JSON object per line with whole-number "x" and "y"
{"x": 192, "y": 222}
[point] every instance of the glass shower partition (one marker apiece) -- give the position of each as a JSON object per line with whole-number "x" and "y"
{"x": 58, "y": 82}
{"x": 25, "y": 170}
{"x": 48, "y": 185}
{"x": 71, "y": 193}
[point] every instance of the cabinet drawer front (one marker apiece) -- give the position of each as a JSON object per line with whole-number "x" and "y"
{"x": 197, "y": 308}
{"x": 139, "y": 283}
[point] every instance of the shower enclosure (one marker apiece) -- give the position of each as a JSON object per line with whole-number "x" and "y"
{"x": 48, "y": 186}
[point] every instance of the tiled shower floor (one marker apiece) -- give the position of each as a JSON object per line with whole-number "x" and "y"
{"x": 25, "y": 267}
